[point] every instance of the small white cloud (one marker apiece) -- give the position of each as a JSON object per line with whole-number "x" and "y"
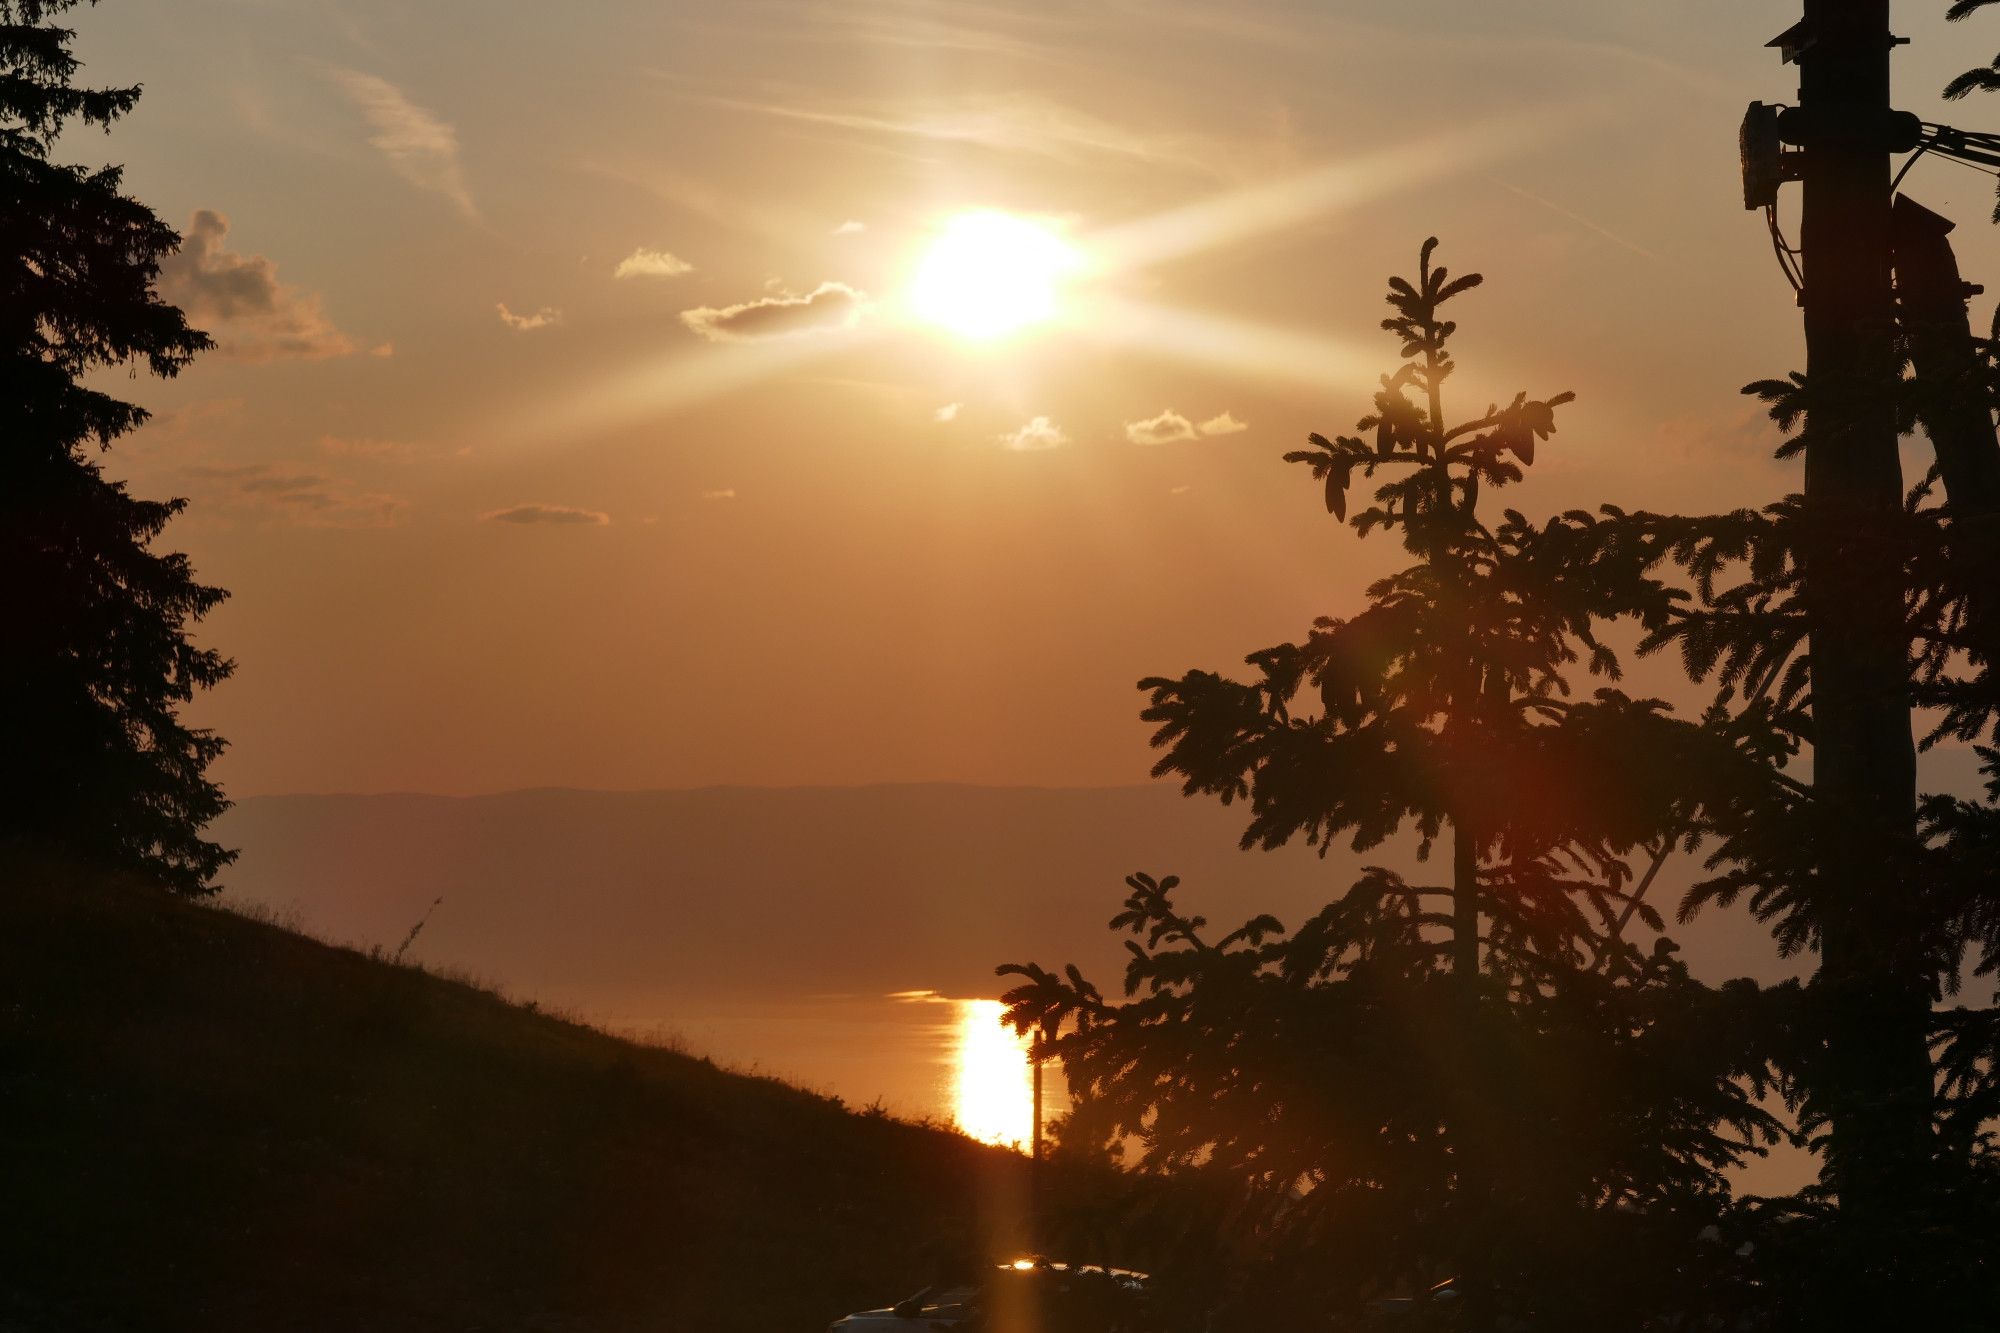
{"x": 1222, "y": 424}
{"x": 644, "y": 263}
{"x": 1038, "y": 433}
{"x": 1165, "y": 428}
{"x": 422, "y": 148}
{"x": 949, "y": 412}
{"x": 850, "y": 228}
{"x": 1178, "y": 490}
{"x": 726, "y": 493}
{"x": 827, "y": 307}
{"x": 546, "y": 317}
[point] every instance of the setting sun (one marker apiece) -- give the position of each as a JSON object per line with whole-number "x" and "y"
{"x": 989, "y": 274}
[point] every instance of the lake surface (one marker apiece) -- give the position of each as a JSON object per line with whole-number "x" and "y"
{"x": 917, "y": 1054}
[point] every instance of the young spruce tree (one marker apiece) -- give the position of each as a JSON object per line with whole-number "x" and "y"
{"x": 95, "y": 659}
{"x": 1478, "y": 1079}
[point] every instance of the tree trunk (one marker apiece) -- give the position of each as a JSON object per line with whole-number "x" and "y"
{"x": 1953, "y": 407}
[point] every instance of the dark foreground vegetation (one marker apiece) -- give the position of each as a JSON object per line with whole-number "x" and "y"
{"x": 1495, "y": 1072}
{"x": 210, "y": 1123}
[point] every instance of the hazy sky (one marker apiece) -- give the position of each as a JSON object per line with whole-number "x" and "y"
{"x": 569, "y": 426}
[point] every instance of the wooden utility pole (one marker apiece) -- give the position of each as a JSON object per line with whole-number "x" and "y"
{"x": 1875, "y": 981}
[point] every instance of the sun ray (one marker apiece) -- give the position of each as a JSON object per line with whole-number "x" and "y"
{"x": 661, "y": 383}
{"x": 1332, "y": 187}
{"x": 998, "y": 274}
{"x": 1282, "y": 355}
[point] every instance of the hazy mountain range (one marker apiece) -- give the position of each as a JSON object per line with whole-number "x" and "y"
{"x": 592, "y": 898}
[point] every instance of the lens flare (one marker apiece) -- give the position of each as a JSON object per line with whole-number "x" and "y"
{"x": 989, "y": 274}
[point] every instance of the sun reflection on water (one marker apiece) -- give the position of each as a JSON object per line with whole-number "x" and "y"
{"x": 993, "y": 1093}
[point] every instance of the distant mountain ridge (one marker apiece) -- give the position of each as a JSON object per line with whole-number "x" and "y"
{"x": 588, "y": 896}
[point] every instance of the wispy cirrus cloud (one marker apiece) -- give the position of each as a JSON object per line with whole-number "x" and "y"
{"x": 421, "y": 147}
{"x": 1019, "y": 123}
{"x": 239, "y": 299}
{"x": 546, "y": 317}
{"x": 547, "y": 513}
{"x": 997, "y": 30}
{"x": 645, "y": 263}
{"x": 362, "y": 446}
{"x": 827, "y": 307}
{"x": 307, "y": 499}
{"x": 1035, "y": 434}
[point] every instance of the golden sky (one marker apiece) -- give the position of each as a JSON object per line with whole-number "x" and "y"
{"x": 577, "y": 420}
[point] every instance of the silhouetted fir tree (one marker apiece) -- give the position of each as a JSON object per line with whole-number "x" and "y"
{"x": 1983, "y": 78}
{"x": 94, "y": 655}
{"x": 1477, "y": 1078}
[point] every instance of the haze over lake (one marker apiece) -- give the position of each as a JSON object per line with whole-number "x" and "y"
{"x": 775, "y": 929}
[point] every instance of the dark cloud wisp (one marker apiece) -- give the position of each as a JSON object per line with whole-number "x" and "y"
{"x": 545, "y": 513}
{"x": 239, "y": 298}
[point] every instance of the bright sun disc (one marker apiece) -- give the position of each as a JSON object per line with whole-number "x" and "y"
{"x": 989, "y": 274}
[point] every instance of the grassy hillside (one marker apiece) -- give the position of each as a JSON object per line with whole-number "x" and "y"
{"x": 209, "y": 1123}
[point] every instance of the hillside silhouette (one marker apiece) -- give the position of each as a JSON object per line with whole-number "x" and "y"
{"x": 218, "y": 1124}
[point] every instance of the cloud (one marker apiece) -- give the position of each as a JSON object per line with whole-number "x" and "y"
{"x": 345, "y": 446}
{"x": 1165, "y": 428}
{"x": 1170, "y": 427}
{"x": 190, "y": 430}
{"x": 546, "y": 317}
{"x": 727, "y": 493}
{"x": 949, "y": 412}
{"x": 309, "y": 499}
{"x": 541, "y": 513}
{"x": 849, "y": 228}
{"x": 371, "y": 449}
{"x": 239, "y": 298}
{"x": 831, "y": 305}
{"x": 421, "y": 148}
{"x": 1038, "y": 433}
{"x": 644, "y": 263}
